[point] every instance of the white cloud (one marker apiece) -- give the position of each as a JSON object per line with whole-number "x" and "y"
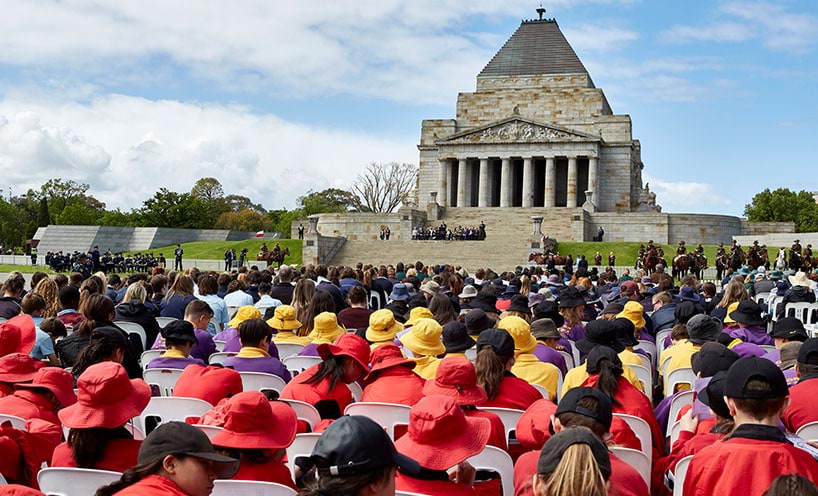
{"x": 598, "y": 37}
{"x": 727, "y": 31}
{"x": 126, "y": 148}
{"x": 685, "y": 196}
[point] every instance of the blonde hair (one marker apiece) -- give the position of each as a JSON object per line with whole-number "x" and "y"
{"x": 577, "y": 474}
{"x": 508, "y": 313}
{"x": 572, "y": 316}
{"x": 525, "y": 286}
{"x": 47, "y": 288}
{"x": 136, "y": 291}
{"x": 733, "y": 292}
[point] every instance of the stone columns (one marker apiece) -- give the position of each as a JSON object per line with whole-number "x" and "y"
{"x": 506, "y": 183}
{"x": 593, "y": 172}
{"x": 484, "y": 193}
{"x": 550, "y": 182}
{"x": 528, "y": 179}
{"x": 462, "y": 199}
{"x": 443, "y": 183}
{"x": 572, "y": 182}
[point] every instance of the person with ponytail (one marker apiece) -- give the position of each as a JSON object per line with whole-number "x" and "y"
{"x": 176, "y": 459}
{"x": 574, "y": 462}
{"x": 107, "y": 344}
{"x": 495, "y": 357}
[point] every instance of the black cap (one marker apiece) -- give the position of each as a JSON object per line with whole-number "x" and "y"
{"x": 599, "y": 332}
{"x": 748, "y": 368}
{"x": 355, "y": 445}
{"x": 625, "y": 331}
{"x": 808, "y": 354}
{"x": 477, "y": 321}
{"x": 486, "y": 301}
{"x": 613, "y": 307}
{"x": 790, "y": 328}
{"x": 748, "y": 313}
{"x": 179, "y": 438}
{"x": 713, "y": 358}
{"x": 598, "y": 355}
{"x": 555, "y": 448}
{"x": 499, "y": 339}
{"x": 685, "y": 310}
{"x": 713, "y": 395}
{"x": 570, "y": 404}
{"x": 549, "y": 309}
{"x": 110, "y": 334}
{"x": 181, "y": 330}
{"x": 703, "y": 328}
{"x": 519, "y": 303}
{"x": 456, "y": 338}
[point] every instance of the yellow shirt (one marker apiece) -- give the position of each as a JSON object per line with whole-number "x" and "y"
{"x": 530, "y": 368}
{"x": 681, "y": 357}
{"x": 287, "y": 337}
{"x": 426, "y": 366}
{"x": 252, "y": 352}
{"x": 577, "y": 375}
{"x": 171, "y": 353}
{"x": 628, "y": 357}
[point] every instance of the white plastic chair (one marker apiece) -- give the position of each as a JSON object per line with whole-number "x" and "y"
{"x": 301, "y": 447}
{"x": 16, "y": 422}
{"x": 250, "y": 488}
{"x": 163, "y": 321}
{"x": 259, "y": 381}
{"x": 683, "y": 375}
{"x": 496, "y": 460}
{"x": 171, "y": 408}
{"x": 407, "y": 493}
{"x": 660, "y": 341}
{"x": 3, "y": 480}
{"x": 798, "y": 310}
{"x": 812, "y": 314}
{"x": 762, "y": 298}
{"x": 305, "y": 411}
{"x": 288, "y": 349}
{"x": 649, "y": 347}
{"x": 544, "y": 392}
{"x": 134, "y": 328}
{"x": 297, "y": 364}
{"x": 219, "y": 345}
{"x": 387, "y": 415}
{"x": 645, "y": 377}
{"x": 220, "y": 357}
{"x": 679, "y": 475}
{"x": 356, "y": 390}
{"x": 509, "y": 416}
{"x": 375, "y": 302}
{"x": 74, "y": 481}
{"x": 149, "y": 355}
{"x": 642, "y": 431}
{"x": 209, "y": 430}
{"x": 646, "y": 362}
{"x": 576, "y": 356}
{"x": 676, "y": 405}
{"x": 635, "y": 459}
{"x": 675, "y": 432}
{"x": 808, "y": 432}
{"x": 135, "y": 431}
{"x": 569, "y": 359}
{"x": 164, "y": 378}
{"x": 471, "y": 354}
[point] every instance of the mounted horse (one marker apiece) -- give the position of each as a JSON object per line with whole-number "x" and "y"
{"x": 651, "y": 260}
{"x": 274, "y": 256}
{"x": 757, "y": 258}
{"x": 692, "y": 263}
{"x": 722, "y": 263}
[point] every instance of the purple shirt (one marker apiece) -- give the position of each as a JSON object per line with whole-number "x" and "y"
{"x": 267, "y": 365}
{"x": 575, "y": 334}
{"x": 773, "y": 356}
{"x": 201, "y": 350}
{"x": 748, "y": 350}
{"x": 791, "y": 376}
{"x": 234, "y": 345}
{"x": 227, "y": 334}
{"x": 548, "y": 354}
{"x": 173, "y": 363}
{"x": 752, "y": 334}
{"x": 662, "y": 411}
{"x": 309, "y": 350}
{"x": 645, "y": 335}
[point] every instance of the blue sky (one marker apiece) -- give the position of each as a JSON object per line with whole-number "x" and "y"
{"x": 275, "y": 98}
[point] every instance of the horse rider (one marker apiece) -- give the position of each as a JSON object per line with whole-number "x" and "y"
{"x": 700, "y": 249}
{"x": 796, "y": 247}
{"x": 808, "y": 252}
{"x": 650, "y": 245}
{"x": 641, "y": 250}
{"x": 720, "y": 251}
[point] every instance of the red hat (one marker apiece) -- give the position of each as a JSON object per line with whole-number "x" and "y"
{"x": 19, "y": 367}
{"x": 533, "y": 427}
{"x": 456, "y": 378}
{"x": 211, "y": 384}
{"x": 18, "y": 490}
{"x": 440, "y": 436}
{"x": 107, "y": 398}
{"x": 350, "y": 345}
{"x": 387, "y": 356}
{"x": 17, "y": 335}
{"x": 254, "y": 422}
{"x": 59, "y": 381}
{"x": 18, "y": 459}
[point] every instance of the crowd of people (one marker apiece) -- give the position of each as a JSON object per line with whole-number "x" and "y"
{"x": 444, "y": 233}
{"x": 584, "y": 358}
{"x": 93, "y": 261}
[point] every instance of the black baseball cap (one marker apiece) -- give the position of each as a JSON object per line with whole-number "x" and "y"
{"x": 599, "y": 332}
{"x": 749, "y": 368}
{"x": 110, "y": 334}
{"x": 713, "y": 358}
{"x": 570, "y": 404}
{"x": 790, "y": 328}
{"x": 181, "y": 330}
{"x": 499, "y": 339}
{"x": 598, "y": 355}
{"x": 808, "y": 354}
{"x": 713, "y": 395}
{"x": 179, "y": 438}
{"x": 555, "y": 448}
{"x": 354, "y": 445}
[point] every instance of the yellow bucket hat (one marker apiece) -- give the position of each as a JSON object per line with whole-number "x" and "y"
{"x": 634, "y": 312}
{"x": 246, "y": 312}
{"x": 732, "y": 307}
{"x": 325, "y": 328}
{"x": 284, "y": 319}
{"x": 418, "y": 313}
{"x": 520, "y": 331}
{"x": 382, "y": 326}
{"x": 424, "y": 338}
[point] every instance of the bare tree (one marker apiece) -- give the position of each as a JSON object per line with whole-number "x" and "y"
{"x": 382, "y": 187}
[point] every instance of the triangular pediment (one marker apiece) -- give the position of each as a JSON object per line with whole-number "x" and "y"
{"x": 518, "y": 129}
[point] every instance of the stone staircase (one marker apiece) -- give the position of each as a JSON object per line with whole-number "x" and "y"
{"x": 511, "y": 223}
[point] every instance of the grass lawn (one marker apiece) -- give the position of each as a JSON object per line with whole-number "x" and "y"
{"x": 214, "y": 250}
{"x": 626, "y": 252}
{"x": 25, "y": 269}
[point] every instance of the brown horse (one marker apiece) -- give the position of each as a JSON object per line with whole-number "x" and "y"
{"x": 756, "y": 259}
{"x": 681, "y": 265}
{"x": 274, "y": 257}
{"x": 651, "y": 260}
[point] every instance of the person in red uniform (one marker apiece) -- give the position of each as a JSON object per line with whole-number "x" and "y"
{"x": 390, "y": 378}
{"x": 495, "y": 357}
{"x": 257, "y": 432}
{"x": 583, "y": 407}
{"x": 558, "y": 457}
{"x": 98, "y": 439}
{"x": 22, "y": 452}
{"x": 17, "y": 368}
{"x": 802, "y": 396}
{"x": 757, "y": 451}
{"x": 176, "y": 459}
{"x": 17, "y": 335}
{"x": 51, "y": 390}
{"x": 325, "y": 385}
{"x": 440, "y": 438}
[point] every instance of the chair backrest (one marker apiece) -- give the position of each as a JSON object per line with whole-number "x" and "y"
{"x": 375, "y": 302}
{"x": 259, "y": 381}
{"x": 569, "y": 359}
{"x": 544, "y": 392}
{"x": 798, "y": 310}
{"x": 288, "y": 349}
{"x": 210, "y": 430}
{"x": 297, "y": 364}
{"x": 635, "y": 459}
{"x": 356, "y": 390}
{"x": 812, "y": 314}
{"x": 164, "y": 378}
{"x": 134, "y": 328}
{"x": 387, "y": 415}
{"x": 496, "y": 460}
{"x": 683, "y": 375}
{"x": 220, "y": 356}
{"x": 250, "y": 488}
{"x": 163, "y": 321}
{"x": 74, "y": 481}
{"x": 660, "y": 341}
{"x": 679, "y": 475}
{"x": 509, "y": 416}
{"x": 301, "y": 446}
{"x": 642, "y": 431}
{"x": 471, "y": 354}
{"x": 575, "y": 353}
{"x": 675, "y": 431}
{"x": 762, "y": 298}
{"x": 3, "y": 480}
{"x": 407, "y": 493}
{"x": 676, "y": 405}
{"x": 149, "y": 355}
{"x": 167, "y": 409}
{"x": 649, "y": 347}
{"x": 219, "y": 345}
{"x": 16, "y": 422}
{"x": 645, "y": 377}
{"x": 305, "y": 411}
{"x": 231, "y": 311}
{"x": 808, "y": 432}
{"x": 135, "y": 431}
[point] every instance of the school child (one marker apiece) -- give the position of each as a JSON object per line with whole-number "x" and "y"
{"x": 391, "y": 379}
{"x": 493, "y": 363}
{"x": 285, "y": 324}
{"x": 424, "y": 341}
{"x": 526, "y": 365}
{"x": 325, "y": 330}
{"x": 573, "y": 462}
{"x": 179, "y": 339}
{"x": 255, "y": 337}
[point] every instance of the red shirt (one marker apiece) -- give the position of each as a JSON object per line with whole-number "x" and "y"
{"x": 802, "y": 409}
{"x": 313, "y": 393}
{"x": 395, "y": 385}
{"x": 497, "y": 437}
{"x": 431, "y": 487}
{"x": 689, "y": 443}
{"x": 153, "y": 485}
{"x": 272, "y": 471}
{"x": 514, "y": 393}
{"x": 29, "y": 404}
{"x": 119, "y": 456}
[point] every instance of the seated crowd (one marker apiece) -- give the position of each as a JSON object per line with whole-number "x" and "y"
{"x": 585, "y": 384}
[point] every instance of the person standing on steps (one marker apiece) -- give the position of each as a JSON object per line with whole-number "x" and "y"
{"x": 178, "y": 252}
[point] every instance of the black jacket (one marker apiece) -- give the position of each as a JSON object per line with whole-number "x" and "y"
{"x": 135, "y": 311}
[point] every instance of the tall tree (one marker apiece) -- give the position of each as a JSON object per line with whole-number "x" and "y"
{"x": 170, "y": 209}
{"x": 43, "y": 219}
{"x": 784, "y": 205}
{"x": 59, "y": 193}
{"x": 328, "y": 200}
{"x": 208, "y": 189}
{"x": 383, "y": 187}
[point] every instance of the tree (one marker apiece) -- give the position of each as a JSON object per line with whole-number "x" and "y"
{"x": 244, "y": 220}
{"x": 239, "y": 202}
{"x": 328, "y": 200}
{"x": 78, "y": 214}
{"x": 43, "y": 219}
{"x": 383, "y": 187}
{"x": 784, "y": 205}
{"x": 170, "y": 209}
{"x": 60, "y": 193}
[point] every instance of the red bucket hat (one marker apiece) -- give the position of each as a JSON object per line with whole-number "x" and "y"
{"x": 19, "y": 367}
{"x": 17, "y": 335}
{"x": 60, "y": 382}
{"x": 534, "y": 426}
{"x": 350, "y": 345}
{"x": 456, "y": 378}
{"x": 440, "y": 436}
{"x": 107, "y": 398}
{"x": 211, "y": 384}
{"x": 254, "y": 422}
{"x": 385, "y": 357}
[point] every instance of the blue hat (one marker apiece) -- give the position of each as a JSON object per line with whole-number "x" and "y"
{"x": 399, "y": 292}
{"x": 687, "y": 293}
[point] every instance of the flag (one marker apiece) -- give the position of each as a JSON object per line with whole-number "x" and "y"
{"x": 260, "y": 234}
